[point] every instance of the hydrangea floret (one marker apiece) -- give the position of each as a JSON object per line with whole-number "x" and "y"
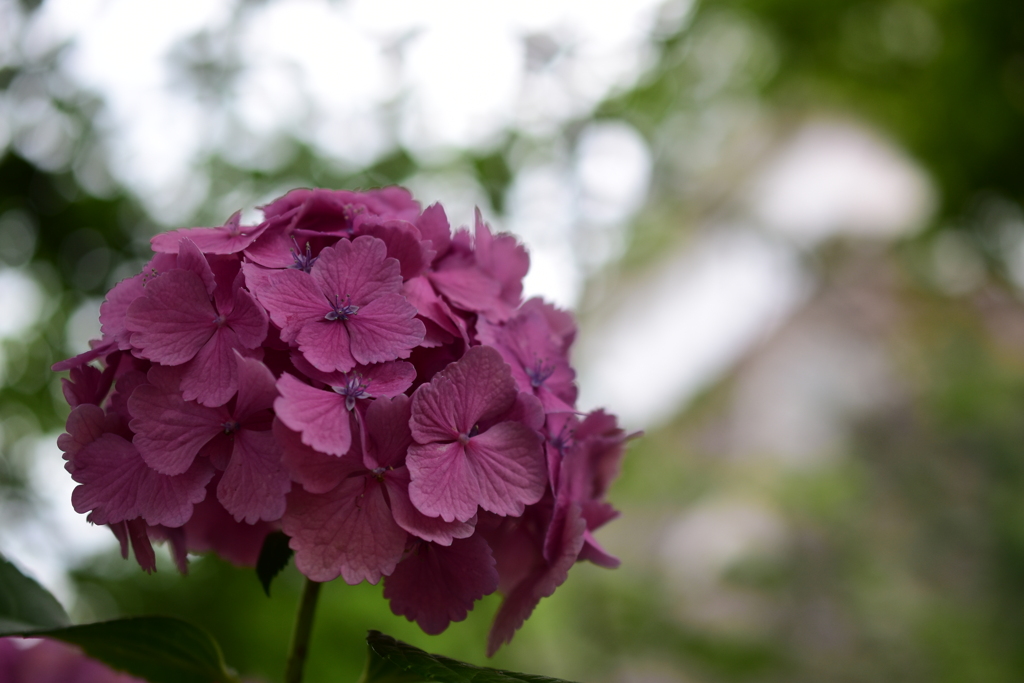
{"x": 351, "y": 372}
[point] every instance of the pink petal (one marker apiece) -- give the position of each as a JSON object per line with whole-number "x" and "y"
{"x": 560, "y": 322}
{"x": 510, "y": 468}
{"x": 378, "y": 379}
{"x": 192, "y": 259}
{"x": 227, "y": 272}
{"x": 248, "y": 320}
{"x": 115, "y": 306}
{"x": 320, "y": 415}
{"x": 504, "y": 259}
{"x": 541, "y": 583}
{"x": 120, "y": 531}
{"x": 526, "y": 409}
{"x": 348, "y": 532}
{"x": 502, "y": 470}
{"x": 325, "y": 344}
{"x": 388, "y": 379}
{"x": 433, "y": 226}
{"x": 287, "y": 203}
{"x": 470, "y": 289}
{"x": 169, "y": 501}
{"x": 165, "y": 377}
{"x": 99, "y": 349}
{"x": 126, "y": 384}
{"x": 139, "y": 537}
{"x": 211, "y": 378}
{"x": 323, "y": 211}
{"x": 317, "y": 472}
{"x": 479, "y": 386}
{"x": 109, "y": 471}
{"x": 175, "y": 538}
{"x": 537, "y": 357}
{"x": 212, "y": 528}
{"x": 358, "y": 271}
{"x": 387, "y": 431}
{"x": 256, "y": 388}
{"x": 403, "y": 244}
{"x": 593, "y": 552}
{"x": 291, "y": 297}
{"x": 435, "y": 585}
{"x": 173, "y": 320}
{"x": 442, "y": 483}
{"x": 557, "y": 403}
{"x": 273, "y": 249}
{"x": 118, "y": 485}
{"x": 415, "y": 522}
{"x": 229, "y": 239}
{"x": 384, "y": 329}
{"x": 388, "y": 202}
{"x": 255, "y": 482}
{"x": 607, "y": 447}
{"x": 434, "y": 336}
{"x": 85, "y": 424}
{"x": 420, "y": 293}
{"x": 169, "y": 431}
{"x": 516, "y": 542}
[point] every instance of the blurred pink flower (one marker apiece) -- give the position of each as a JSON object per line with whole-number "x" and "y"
{"x": 50, "y": 661}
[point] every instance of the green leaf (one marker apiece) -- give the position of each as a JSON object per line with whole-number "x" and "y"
{"x": 274, "y": 556}
{"x": 24, "y": 604}
{"x": 158, "y": 649}
{"x": 392, "y": 661}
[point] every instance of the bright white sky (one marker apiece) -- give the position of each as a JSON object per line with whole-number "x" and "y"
{"x": 326, "y": 69}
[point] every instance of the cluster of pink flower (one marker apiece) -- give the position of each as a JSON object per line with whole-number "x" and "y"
{"x": 354, "y": 374}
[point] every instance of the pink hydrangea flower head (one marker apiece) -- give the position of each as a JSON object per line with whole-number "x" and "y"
{"x": 351, "y": 372}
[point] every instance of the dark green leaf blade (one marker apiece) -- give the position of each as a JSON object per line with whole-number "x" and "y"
{"x": 274, "y": 556}
{"x": 158, "y": 649}
{"x": 24, "y": 604}
{"x": 392, "y": 661}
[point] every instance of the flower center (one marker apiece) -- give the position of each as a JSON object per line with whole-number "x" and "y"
{"x": 305, "y": 261}
{"x": 353, "y": 389}
{"x": 539, "y": 373}
{"x": 464, "y": 438}
{"x": 339, "y": 312}
{"x": 563, "y": 440}
{"x": 230, "y": 427}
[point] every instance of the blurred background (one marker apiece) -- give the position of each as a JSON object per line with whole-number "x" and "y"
{"x": 792, "y": 231}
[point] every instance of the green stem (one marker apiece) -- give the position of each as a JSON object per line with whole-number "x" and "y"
{"x": 300, "y": 636}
